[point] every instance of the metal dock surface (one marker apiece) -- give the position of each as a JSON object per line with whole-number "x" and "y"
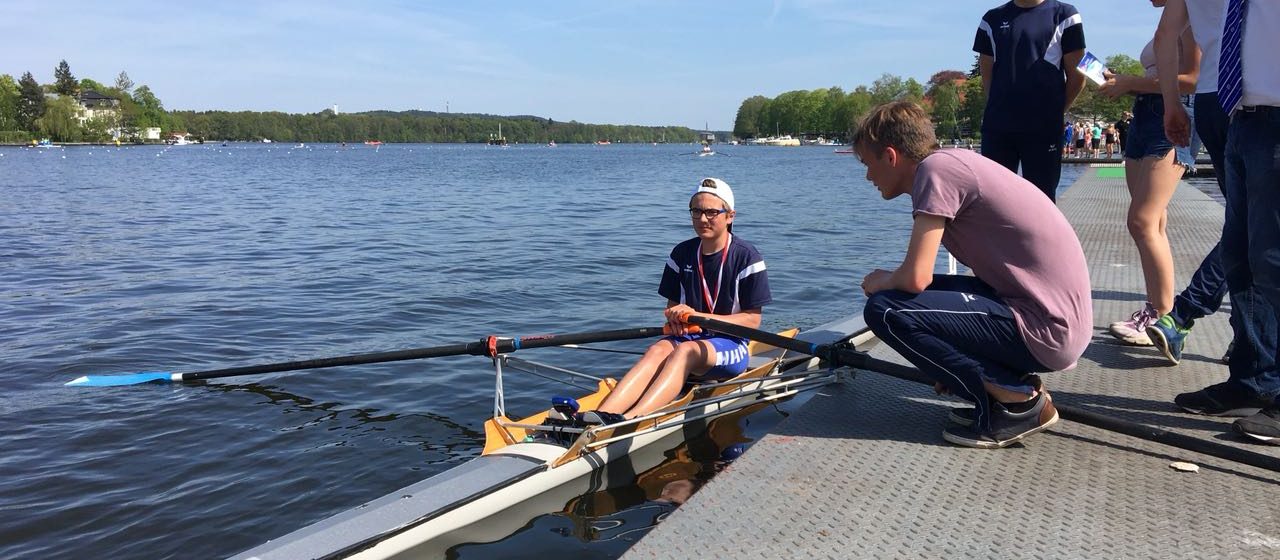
{"x": 862, "y": 471}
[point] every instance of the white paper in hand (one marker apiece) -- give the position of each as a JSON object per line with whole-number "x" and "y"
{"x": 1093, "y": 68}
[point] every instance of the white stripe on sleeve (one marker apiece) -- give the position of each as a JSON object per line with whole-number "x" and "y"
{"x": 755, "y": 267}
{"x": 984, "y": 27}
{"x": 1053, "y": 55}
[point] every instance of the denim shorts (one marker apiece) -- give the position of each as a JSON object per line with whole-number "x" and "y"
{"x": 731, "y": 354}
{"x": 1146, "y": 132}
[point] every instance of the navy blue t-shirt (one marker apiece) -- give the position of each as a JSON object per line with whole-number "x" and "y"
{"x": 1028, "y": 81}
{"x": 743, "y": 285}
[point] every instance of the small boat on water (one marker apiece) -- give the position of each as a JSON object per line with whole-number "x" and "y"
{"x": 603, "y": 142}
{"x": 498, "y": 139}
{"x": 373, "y": 142}
{"x": 45, "y": 143}
{"x": 539, "y": 455}
{"x": 784, "y": 140}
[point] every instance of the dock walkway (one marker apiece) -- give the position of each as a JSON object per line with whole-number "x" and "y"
{"x": 862, "y": 471}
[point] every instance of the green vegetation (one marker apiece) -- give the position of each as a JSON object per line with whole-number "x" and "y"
{"x": 29, "y": 110}
{"x": 410, "y": 126}
{"x": 64, "y": 82}
{"x": 955, "y": 99}
{"x": 30, "y": 102}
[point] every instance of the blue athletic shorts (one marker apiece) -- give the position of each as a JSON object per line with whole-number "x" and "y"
{"x": 731, "y": 354}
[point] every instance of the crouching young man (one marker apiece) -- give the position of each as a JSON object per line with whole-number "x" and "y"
{"x": 1026, "y": 309}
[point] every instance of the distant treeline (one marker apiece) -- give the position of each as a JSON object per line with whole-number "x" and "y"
{"x": 954, "y": 99}
{"x": 829, "y": 112}
{"x": 410, "y": 126}
{"x": 29, "y": 110}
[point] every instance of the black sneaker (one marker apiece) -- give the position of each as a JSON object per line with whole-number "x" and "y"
{"x": 1007, "y": 428}
{"x": 596, "y": 418}
{"x": 1263, "y": 426}
{"x": 1220, "y": 400}
{"x": 964, "y": 416}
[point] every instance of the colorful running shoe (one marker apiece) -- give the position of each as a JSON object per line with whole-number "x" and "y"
{"x": 1134, "y": 329}
{"x": 1168, "y": 337}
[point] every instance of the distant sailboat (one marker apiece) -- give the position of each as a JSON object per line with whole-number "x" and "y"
{"x": 498, "y": 140}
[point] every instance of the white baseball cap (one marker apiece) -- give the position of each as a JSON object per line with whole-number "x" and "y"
{"x": 717, "y": 187}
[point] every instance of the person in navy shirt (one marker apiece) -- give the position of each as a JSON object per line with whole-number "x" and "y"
{"x": 1028, "y": 51}
{"x": 713, "y": 274}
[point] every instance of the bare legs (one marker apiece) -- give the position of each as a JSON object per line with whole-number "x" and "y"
{"x": 1151, "y": 183}
{"x": 656, "y": 379}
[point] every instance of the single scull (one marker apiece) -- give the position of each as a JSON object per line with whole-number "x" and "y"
{"x": 518, "y": 464}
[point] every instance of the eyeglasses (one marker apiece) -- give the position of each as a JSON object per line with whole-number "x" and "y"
{"x": 708, "y": 213}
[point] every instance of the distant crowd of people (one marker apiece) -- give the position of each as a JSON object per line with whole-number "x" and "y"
{"x": 1083, "y": 139}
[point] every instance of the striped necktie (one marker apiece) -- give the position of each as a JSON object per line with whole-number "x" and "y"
{"x": 1230, "y": 73}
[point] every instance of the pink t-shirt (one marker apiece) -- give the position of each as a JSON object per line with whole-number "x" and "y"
{"x": 1018, "y": 242}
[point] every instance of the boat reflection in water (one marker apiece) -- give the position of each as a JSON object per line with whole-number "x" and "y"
{"x": 606, "y": 514}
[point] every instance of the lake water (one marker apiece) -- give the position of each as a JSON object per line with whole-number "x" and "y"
{"x": 200, "y": 257}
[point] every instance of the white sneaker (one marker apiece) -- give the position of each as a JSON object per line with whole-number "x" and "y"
{"x": 1134, "y": 329}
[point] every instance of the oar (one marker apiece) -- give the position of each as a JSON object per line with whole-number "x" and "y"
{"x": 853, "y": 358}
{"x": 485, "y": 347}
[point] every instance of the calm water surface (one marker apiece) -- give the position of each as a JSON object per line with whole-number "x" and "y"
{"x": 201, "y": 257}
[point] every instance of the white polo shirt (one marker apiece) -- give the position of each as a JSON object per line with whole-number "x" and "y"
{"x": 1261, "y": 43}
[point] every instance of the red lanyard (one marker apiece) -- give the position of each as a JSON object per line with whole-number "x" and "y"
{"x": 706, "y": 292}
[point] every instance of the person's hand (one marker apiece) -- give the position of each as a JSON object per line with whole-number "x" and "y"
{"x": 1177, "y": 125}
{"x": 1116, "y": 84}
{"x": 675, "y": 314}
{"x": 875, "y": 281}
{"x": 941, "y": 389}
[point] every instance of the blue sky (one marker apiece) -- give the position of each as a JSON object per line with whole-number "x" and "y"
{"x": 602, "y": 61}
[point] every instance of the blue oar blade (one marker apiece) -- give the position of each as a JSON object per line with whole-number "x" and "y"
{"x": 117, "y": 380}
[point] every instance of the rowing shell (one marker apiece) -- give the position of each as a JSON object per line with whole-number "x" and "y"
{"x": 426, "y": 518}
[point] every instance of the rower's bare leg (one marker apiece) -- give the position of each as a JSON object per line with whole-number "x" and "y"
{"x": 692, "y": 356}
{"x": 637, "y": 379}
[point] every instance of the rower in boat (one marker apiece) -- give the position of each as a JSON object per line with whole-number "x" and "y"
{"x": 712, "y": 274}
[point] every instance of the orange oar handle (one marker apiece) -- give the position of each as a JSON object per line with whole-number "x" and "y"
{"x": 684, "y": 319}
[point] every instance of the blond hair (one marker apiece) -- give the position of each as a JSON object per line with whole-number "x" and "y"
{"x": 902, "y": 125}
